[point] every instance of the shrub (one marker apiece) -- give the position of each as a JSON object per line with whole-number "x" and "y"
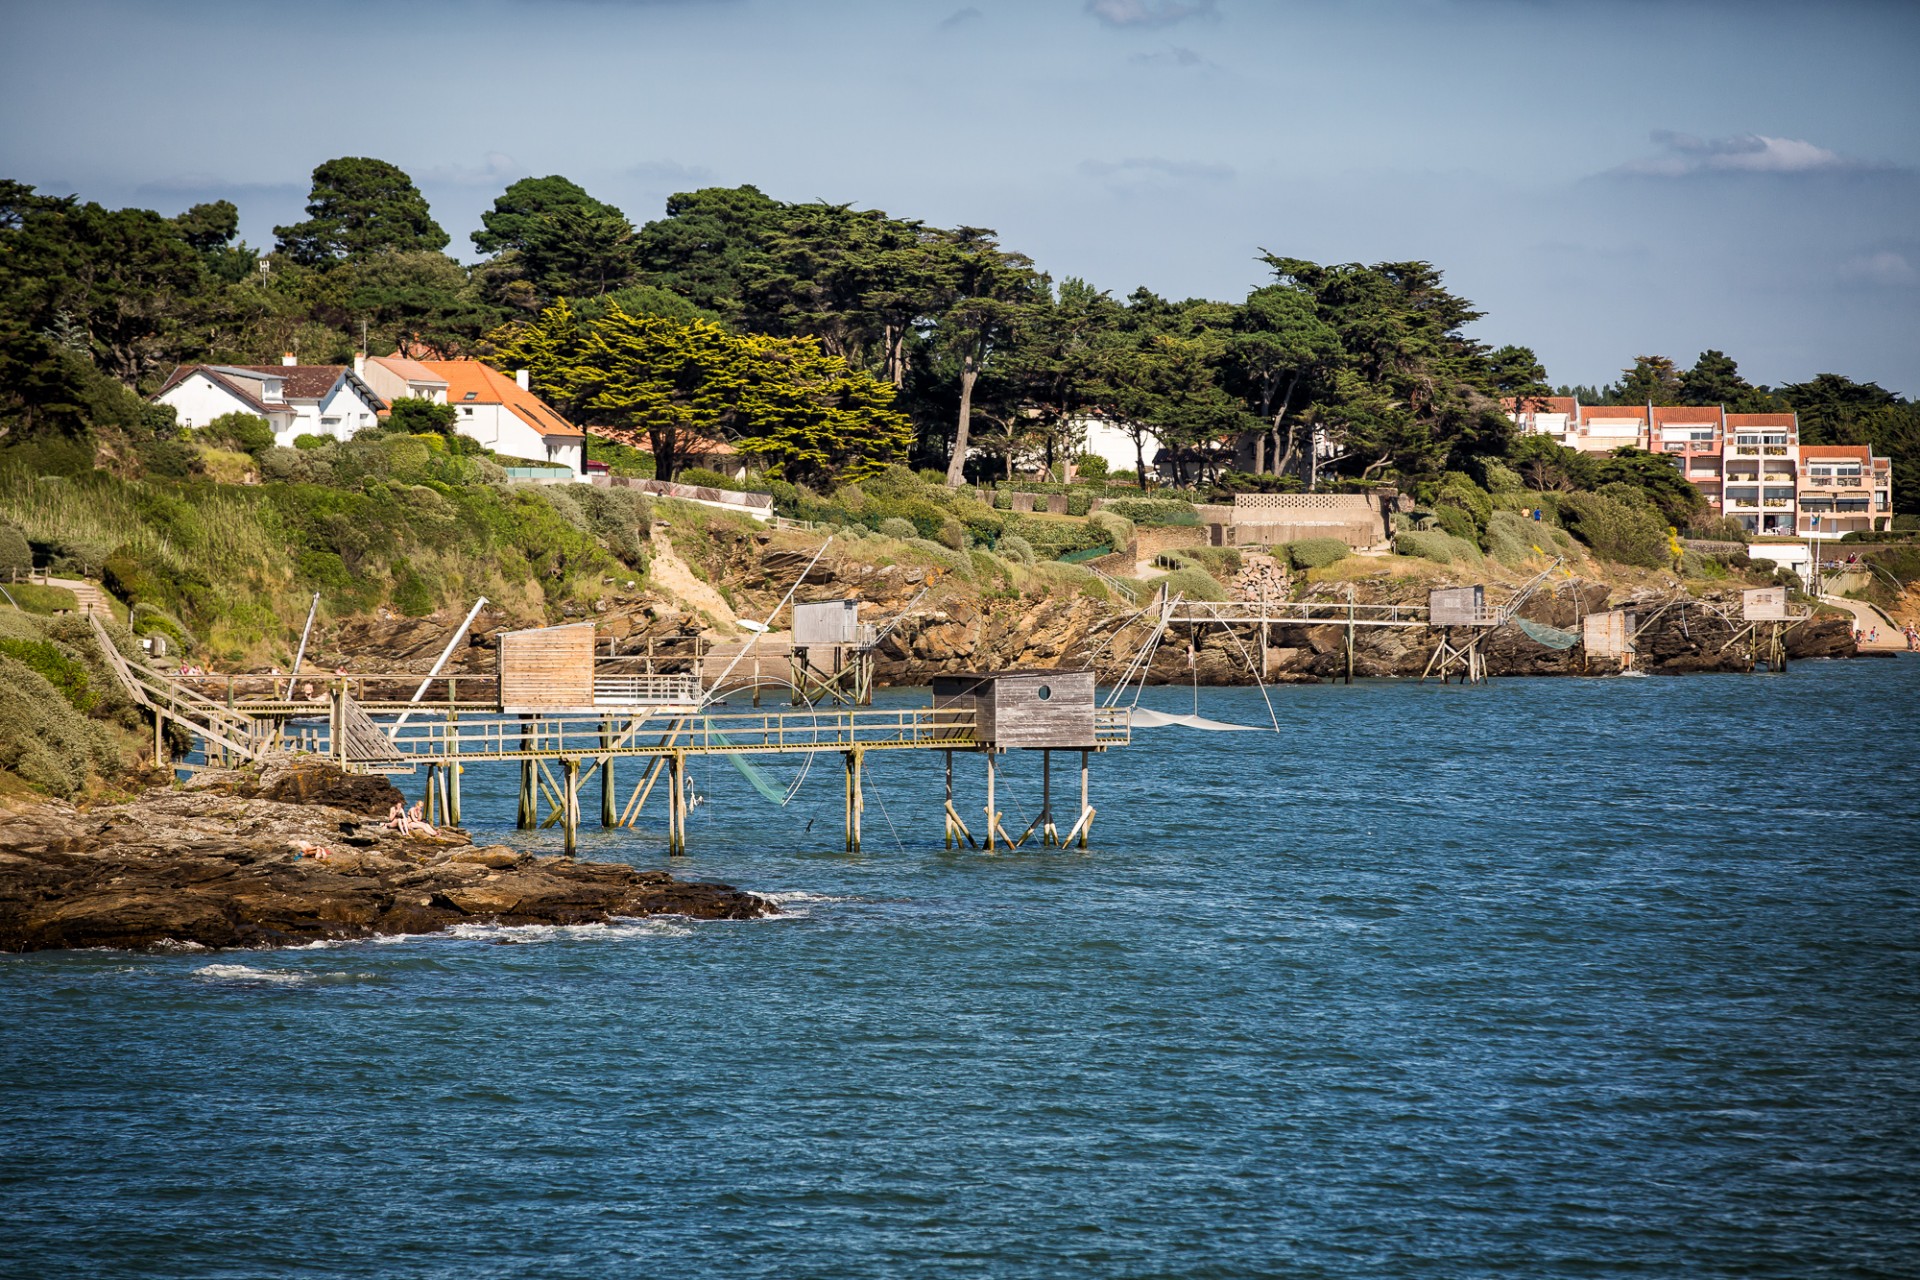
{"x": 1458, "y": 492}
{"x": 43, "y": 739}
{"x": 959, "y": 562}
{"x": 1090, "y": 467}
{"x": 149, "y": 620}
{"x": 1441, "y": 548}
{"x": 1316, "y": 553}
{"x": 64, "y": 672}
{"x": 705, "y": 478}
{"x": 1626, "y": 533}
{"x": 1500, "y": 478}
{"x": 1117, "y": 528}
{"x": 951, "y": 533}
{"x": 1017, "y": 549}
{"x": 1718, "y": 529}
{"x": 1155, "y": 512}
{"x": 1192, "y": 582}
{"x": 125, "y": 576}
{"x": 411, "y": 595}
{"x": 895, "y": 527}
{"x": 306, "y": 440}
{"x": 1511, "y": 538}
{"x": 246, "y": 432}
{"x": 414, "y": 416}
{"x": 16, "y": 555}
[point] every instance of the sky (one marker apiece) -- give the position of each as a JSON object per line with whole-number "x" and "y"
{"x": 1603, "y": 178}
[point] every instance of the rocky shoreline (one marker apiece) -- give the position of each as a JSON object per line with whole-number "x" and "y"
{"x": 292, "y": 855}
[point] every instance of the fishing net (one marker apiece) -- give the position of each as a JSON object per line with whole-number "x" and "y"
{"x": 1552, "y": 637}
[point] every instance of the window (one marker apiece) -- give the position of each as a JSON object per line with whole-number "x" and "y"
{"x": 1044, "y": 692}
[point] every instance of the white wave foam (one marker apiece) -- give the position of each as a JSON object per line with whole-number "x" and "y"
{"x": 801, "y": 895}
{"x": 618, "y": 929}
{"x": 279, "y": 977}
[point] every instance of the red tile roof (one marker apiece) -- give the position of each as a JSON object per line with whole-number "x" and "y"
{"x": 471, "y": 382}
{"x": 1859, "y": 452}
{"x": 1613, "y": 413}
{"x": 1678, "y": 413}
{"x": 1542, "y": 404}
{"x": 1761, "y": 420}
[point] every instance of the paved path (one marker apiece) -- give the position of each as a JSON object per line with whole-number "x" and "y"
{"x": 1865, "y": 618}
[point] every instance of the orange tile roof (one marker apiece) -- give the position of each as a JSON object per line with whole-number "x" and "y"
{"x": 1665, "y": 413}
{"x": 1613, "y": 413}
{"x": 1541, "y": 404}
{"x": 1862, "y": 452}
{"x": 471, "y": 382}
{"x": 1761, "y": 420}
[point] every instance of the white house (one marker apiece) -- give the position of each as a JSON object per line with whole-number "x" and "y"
{"x": 398, "y": 378}
{"x": 295, "y": 399}
{"x": 1111, "y": 440}
{"x": 501, "y": 413}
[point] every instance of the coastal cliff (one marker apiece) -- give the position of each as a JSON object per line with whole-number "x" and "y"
{"x": 296, "y": 854}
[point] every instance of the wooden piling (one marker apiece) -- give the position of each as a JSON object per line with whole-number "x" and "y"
{"x": 1086, "y": 810}
{"x": 529, "y": 816}
{"x": 993, "y": 818}
{"x": 677, "y": 805}
{"x": 855, "y": 801}
{"x": 570, "y": 821}
{"x": 609, "y": 816}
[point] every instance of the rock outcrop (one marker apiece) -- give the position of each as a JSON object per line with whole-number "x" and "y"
{"x": 290, "y": 856}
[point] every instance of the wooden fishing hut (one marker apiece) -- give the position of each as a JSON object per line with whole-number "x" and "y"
{"x": 1608, "y": 635}
{"x": 550, "y": 672}
{"x": 832, "y": 653}
{"x": 1450, "y": 607}
{"x": 1036, "y": 710}
{"x": 1764, "y": 610}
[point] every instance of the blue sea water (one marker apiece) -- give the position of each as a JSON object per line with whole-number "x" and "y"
{"x": 1551, "y": 978}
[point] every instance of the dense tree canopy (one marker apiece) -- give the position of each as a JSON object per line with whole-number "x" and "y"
{"x": 360, "y": 206}
{"x": 826, "y": 338}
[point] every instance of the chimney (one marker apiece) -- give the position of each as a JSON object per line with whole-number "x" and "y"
{"x": 520, "y": 376}
{"x": 287, "y": 357}
{"x": 359, "y": 364}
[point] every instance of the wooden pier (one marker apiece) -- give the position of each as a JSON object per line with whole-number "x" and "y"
{"x": 565, "y": 730}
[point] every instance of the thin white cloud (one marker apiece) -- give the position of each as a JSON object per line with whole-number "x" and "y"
{"x": 1884, "y": 268}
{"x": 966, "y": 17}
{"x": 496, "y": 167}
{"x": 1174, "y": 56}
{"x": 1148, "y": 13}
{"x": 1683, "y": 155}
{"x": 670, "y": 173}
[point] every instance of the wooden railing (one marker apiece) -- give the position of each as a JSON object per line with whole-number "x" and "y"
{"x": 430, "y": 739}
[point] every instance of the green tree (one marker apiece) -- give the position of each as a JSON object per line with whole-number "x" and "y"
{"x": 1279, "y": 351}
{"x": 517, "y": 212}
{"x": 1714, "y": 380}
{"x": 414, "y": 416}
{"x": 705, "y": 244}
{"x": 420, "y": 301}
{"x": 1651, "y": 380}
{"x": 1411, "y": 393}
{"x": 986, "y": 291}
{"x": 360, "y": 206}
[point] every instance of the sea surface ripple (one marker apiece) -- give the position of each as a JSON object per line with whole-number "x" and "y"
{"x": 1552, "y": 978}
